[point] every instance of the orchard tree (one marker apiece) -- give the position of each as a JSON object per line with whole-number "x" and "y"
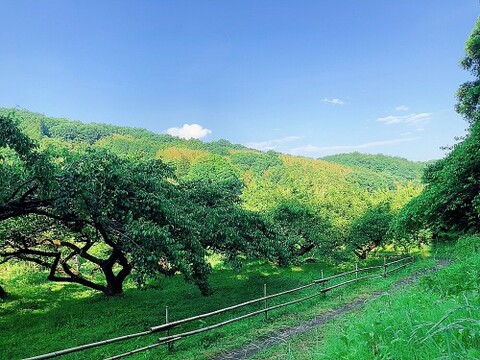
{"x": 305, "y": 229}
{"x": 92, "y": 210}
{"x": 370, "y": 230}
{"x": 25, "y": 174}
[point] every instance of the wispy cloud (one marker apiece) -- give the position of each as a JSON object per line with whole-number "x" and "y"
{"x": 189, "y": 131}
{"x": 401, "y": 108}
{"x": 333, "y": 101}
{"x": 272, "y": 144}
{"x": 416, "y": 120}
{"x": 311, "y": 150}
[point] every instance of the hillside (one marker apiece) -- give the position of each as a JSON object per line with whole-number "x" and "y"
{"x": 136, "y": 142}
{"x": 386, "y": 169}
{"x": 332, "y": 192}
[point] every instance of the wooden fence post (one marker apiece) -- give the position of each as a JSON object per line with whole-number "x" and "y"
{"x": 356, "y": 270}
{"x": 265, "y": 303}
{"x": 384, "y": 266}
{"x": 170, "y": 344}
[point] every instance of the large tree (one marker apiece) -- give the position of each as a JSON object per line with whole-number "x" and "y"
{"x": 469, "y": 92}
{"x": 451, "y": 198}
{"x": 370, "y": 230}
{"x": 25, "y": 172}
{"x": 84, "y": 210}
{"x": 306, "y": 230}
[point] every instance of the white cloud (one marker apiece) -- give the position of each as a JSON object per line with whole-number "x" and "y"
{"x": 401, "y": 108}
{"x": 272, "y": 144}
{"x": 333, "y": 101}
{"x": 416, "y": 120}
{"x": 311, "y": 150}
{"x": 187, "y": 131}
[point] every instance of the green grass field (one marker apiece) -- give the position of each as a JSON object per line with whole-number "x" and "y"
{"x": 436, "y": 318}
{"x": 40, "y": 316}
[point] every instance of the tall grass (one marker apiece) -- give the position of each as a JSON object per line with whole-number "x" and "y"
{"x": 437, "y": 319}
{"x": 41, "y": 316}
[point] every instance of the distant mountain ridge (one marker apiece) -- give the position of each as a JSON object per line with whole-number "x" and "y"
{"x": 269, "y": 177}
{"x": 334, "y": 191}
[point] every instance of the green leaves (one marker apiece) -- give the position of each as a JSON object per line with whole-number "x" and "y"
{"x": 451, "y": 198}
{"x": 370, "y": 230}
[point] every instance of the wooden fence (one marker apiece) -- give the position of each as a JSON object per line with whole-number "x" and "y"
{"x": 170, "y": 339}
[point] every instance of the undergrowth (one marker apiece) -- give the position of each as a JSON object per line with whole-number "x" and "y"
{"x": 438, "y": 318}
{"x": 41, "y": 316}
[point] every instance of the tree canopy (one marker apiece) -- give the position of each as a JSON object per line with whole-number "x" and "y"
{"x": 451, "y": 198}
{"x": 82, "y": 199}
{"x": 119, "y": 216}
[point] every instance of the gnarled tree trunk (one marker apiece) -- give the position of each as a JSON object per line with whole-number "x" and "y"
{"x": 3, "y": 293}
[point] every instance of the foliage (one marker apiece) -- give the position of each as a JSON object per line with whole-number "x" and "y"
{"x": 257, "y": 162}
{"x": 469, "y": 93}
{"x": 134, "y": 212}
{"x": 370, "y": 230}
{"x": 438, "y": 318}
{"x": 378, "y": 169}
{"x": 26, "y": 172}
{"x": 214, "y": 168}
{"x": 450, "y": 199}
{"x": 303, "y": 227}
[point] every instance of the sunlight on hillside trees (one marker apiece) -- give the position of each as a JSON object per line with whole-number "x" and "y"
{"x": 450, "y": 202}
{"x": 114, "y": 202}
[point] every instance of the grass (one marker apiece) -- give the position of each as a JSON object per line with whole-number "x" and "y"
{"x": 41, "y": 316}
{"x": 437, "y": 318}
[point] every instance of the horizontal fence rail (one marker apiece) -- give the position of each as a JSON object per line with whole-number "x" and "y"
{"x": 170, "y": 339}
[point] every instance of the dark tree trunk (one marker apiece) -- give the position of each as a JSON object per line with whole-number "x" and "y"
{"x": 115, "y": 282}
{"x": 362, "y": 252}
{"x": 3, "y": 293}
{"x": 113, "y": 288}
{"x": 305, "y": 249}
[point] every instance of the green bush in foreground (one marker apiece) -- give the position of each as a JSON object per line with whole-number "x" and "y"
{"x": 438, "y": 318}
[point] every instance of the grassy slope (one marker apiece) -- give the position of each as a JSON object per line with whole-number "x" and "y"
{"x": 439, "y": 317}
{"x": 41, "y": 316}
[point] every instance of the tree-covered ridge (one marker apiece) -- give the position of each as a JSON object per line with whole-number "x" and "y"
{"x": 385, "y": 168}
{"x": 130, "y": 201}
{"x": 368, "y": 171}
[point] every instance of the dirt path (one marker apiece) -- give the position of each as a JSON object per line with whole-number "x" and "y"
{"x": 280, "y": 337}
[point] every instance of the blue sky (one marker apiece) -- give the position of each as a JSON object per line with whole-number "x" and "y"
{"x": 310, "y": 78}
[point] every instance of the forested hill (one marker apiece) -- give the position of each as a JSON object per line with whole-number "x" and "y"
{"x": 397, "y": 167}
{"x": 370, "y": 171}
{"x": 214, "y": 196}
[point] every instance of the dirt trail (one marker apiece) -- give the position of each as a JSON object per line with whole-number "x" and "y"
{"x": 280, "y": 337}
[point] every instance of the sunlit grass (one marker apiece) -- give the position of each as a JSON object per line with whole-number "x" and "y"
{"x": 71, "y": 315}
{"x": 436, "y": 318}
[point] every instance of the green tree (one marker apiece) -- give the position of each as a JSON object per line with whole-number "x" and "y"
{"x": 26, "y": 173}
{"x": 469, "y": 92}
{"x": 370, "y": 230}
{"x": 451, "y": 198}
{"x": 120, "y": 216}
{"x": 305, "y": 229}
